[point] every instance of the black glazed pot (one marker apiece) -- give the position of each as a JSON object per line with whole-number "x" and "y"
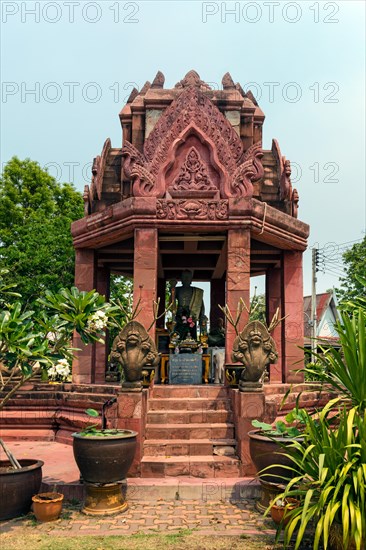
{"x": 18, "y": 486}
{"x": 266, "y": 451}
{"x": 104, "y": 459}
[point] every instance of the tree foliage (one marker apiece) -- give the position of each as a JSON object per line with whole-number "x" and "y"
{"x": 121, "y": 297}
{"x": 352, "y": 284}
{"x": 258, "y": 308}
{"x": 35, "y": 217}
{"x": 31, "y": 341}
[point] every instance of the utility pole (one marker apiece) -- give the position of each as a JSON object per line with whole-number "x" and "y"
{"x": 315, "y": 261}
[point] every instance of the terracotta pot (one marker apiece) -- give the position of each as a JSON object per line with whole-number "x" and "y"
{"x": 280, "y": 513}
{"x": 18, "y": 486}
{"x": 47, "y": 506}
{"x": 104, "y": 459}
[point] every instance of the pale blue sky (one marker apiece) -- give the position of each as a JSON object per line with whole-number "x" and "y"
{"x": 322, "y": 51}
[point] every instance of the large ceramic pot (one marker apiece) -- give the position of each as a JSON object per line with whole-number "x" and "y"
{"x": 18, "y": 486}
{"x": 104, "y": 459}
{"x": 265, "y": 451}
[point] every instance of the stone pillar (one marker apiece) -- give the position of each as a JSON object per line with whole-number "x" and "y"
{"x": 247, "y": 406}
{"x": 273, "y": 301}
{"x": 292, "y": 328}
{"x": 145, "y": 275}
{"x": 130, "y": 413}
{"x": 101, "y": 350}
{"x": 217, "y": 293}
{"x": 85, "y": 279}
{"x": 237, "y": 280}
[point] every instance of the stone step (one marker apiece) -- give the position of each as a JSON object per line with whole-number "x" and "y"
{"x": 195, "y": 466}
{"x": 17, "y": 417}
{"x": 223, "y": 430}
{"x": 189, "y": 417}
{"x": 190, "y": 392}
{"x": 93, "y": 388}
{"x": 187, "y": 447}
{"x": 28, "y": 433}
{"x": 42, "y": 399}
{"x": 186, "y": 404}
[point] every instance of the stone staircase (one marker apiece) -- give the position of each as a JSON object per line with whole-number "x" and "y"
{"x": 187, "y": 429}
{"x": 41, "y": 411}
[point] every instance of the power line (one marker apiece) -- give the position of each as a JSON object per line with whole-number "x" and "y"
{"x": 346, "y": 243}
{"x": 341, "y": 245}
{"x": 329, "y": 258}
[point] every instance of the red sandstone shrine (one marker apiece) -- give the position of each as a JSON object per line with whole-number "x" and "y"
{"x": 191, "y": 188}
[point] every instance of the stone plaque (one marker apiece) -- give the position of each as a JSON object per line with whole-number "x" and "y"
{"x": 185, "y": 368}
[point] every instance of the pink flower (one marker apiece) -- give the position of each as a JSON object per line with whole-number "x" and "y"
{"x": 190, "y": 320}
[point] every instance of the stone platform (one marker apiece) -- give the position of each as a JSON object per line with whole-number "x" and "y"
{"x": 61, "y": 474}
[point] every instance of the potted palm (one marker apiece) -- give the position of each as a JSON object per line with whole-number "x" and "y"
{"x": 327, "y": 470}
{"x": 30, "y": 341}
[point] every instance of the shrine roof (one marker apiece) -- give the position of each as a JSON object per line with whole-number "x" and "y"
{"x": 192, "y": 147}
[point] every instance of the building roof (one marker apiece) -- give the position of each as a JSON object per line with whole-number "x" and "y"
{"x": 324, "y": 302}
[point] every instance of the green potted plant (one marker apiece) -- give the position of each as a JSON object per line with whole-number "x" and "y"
{"x": 28, "y": 342}
{"x": 104, "y": 457}
{"x": 327, "y": 470}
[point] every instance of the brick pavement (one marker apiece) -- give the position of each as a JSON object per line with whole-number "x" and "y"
{"x": 205, "y": 518}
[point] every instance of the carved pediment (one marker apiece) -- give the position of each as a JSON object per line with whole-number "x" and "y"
{"x": 192, "y": 149}
{"x": 192, "y": 106}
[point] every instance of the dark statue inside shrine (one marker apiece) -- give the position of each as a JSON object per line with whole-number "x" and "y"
{"x": 189, "y": 309}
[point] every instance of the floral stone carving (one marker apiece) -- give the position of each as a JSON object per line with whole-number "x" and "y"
{"x": 192, "y": 209}
{"x": 255, "y": 348}
{"x": 193, "y": 176}
{"x": 134, "y": 350}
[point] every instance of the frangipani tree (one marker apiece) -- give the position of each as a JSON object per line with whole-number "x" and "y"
{"x": 31, "y": 341}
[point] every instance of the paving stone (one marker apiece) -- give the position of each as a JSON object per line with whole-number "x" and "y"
{"x": 216, "y": 518}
